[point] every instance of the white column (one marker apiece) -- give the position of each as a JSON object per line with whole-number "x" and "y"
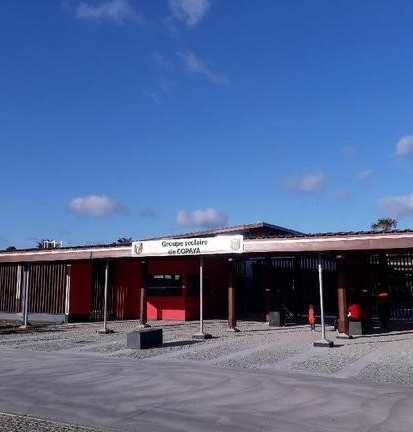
{"x": 25, "y": 300}
{"x": 323, "y": 342}
{"x": 105, "y": 326}
{"x": 201, "y": 334}
{"x": 67, "y": 296}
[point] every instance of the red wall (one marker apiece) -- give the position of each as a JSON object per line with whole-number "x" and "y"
{"x": 170, "y": 307}
{"x": 187, "y": 307}
{"x": 127, "y": 290}
{"x": 128, "y": 283}
{"x": 215, "y": 304}
{"x": 80, "y": 289}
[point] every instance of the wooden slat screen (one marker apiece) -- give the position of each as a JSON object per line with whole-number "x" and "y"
{"x": 8, "y": 287}
{"x": 47, "y": 288}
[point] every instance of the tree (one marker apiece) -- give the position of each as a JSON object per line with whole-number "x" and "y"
{"x": 384, "y": 224}
{"x": 11, "y": 249}
{"x": 124, "y": 240}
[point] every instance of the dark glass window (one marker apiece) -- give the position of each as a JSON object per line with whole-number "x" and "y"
{"x": 164, "y": 285}
{"x": 193, "y": 286}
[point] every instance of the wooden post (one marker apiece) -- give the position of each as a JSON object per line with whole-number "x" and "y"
{"x": 342, "y": 295}
{"x": 232, "y": 317}
{"x": 143, "y": 299}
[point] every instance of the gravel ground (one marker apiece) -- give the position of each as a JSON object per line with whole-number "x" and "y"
{"x": 396, "y": 367}
{"x": 263, "y": 357}
{"x": 12, "y": 422}
{"x": 383, "y": 358}
{"x": 333, "y": 360}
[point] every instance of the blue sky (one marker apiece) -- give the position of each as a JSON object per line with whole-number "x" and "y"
{"x": 143, "y": 118}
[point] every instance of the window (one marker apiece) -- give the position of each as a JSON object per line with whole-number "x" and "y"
{"x": 163, "y": 285}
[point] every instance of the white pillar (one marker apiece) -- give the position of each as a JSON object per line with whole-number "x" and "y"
{"x": 25, "y": 303}
{"x": 105, "y": 327}
{"x": 19, "y": 307}
{"x": 67, "y": 295}
{"x": 320, "y": 281}
{"x": 201, "y": 334}
{"x": 323, "y": 342}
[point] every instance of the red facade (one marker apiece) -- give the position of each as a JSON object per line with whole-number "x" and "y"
{"x": 126, "y": 281}
{"x": 80, "y": 289}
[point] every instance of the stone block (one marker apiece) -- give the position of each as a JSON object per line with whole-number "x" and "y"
{"x": 276, "y": 319}
{"x": 144, "y": 338}
{"x": 355, "y": 328}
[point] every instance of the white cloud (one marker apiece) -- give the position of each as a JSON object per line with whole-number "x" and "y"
{"x": 197, "y": 65}
{"x": 342, "y": 193}
{"x": 365, "y": 174}
{"x": 404, "y": 146}
{"x": 397, "y": 206}
{"x": 307, "y": 183}
{"x": 208, "y": 218}
{"x": 190, "y": 12}
{"x": 118, "y": 11}
{"x": 96, "y": 205}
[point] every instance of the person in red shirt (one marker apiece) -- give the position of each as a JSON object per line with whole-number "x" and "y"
{"x": 311, "y": 316}
{"x": 354, "y": 312}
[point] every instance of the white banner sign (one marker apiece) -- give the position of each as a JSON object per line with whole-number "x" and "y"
{"x": 189, "y": 246}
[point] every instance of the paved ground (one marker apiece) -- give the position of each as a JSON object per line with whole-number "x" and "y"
{"x": 259, "y": 379}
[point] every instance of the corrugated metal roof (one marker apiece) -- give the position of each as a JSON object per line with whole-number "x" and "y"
{"x": 336, "y": 234}
{"x": 232, "y": 229}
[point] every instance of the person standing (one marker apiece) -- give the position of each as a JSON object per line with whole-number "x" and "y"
{"x": 311, "y": 316}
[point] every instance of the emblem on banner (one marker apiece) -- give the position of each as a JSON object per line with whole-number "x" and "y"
{"x": 235, "y": 244}
{"x": 137, "y": 248}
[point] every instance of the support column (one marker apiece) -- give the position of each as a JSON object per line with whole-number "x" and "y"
{"x": 267, "y": 287}
{"x": 201, "y": 334}
{"x": 143, "y": 315}
{"x": 105, "y": 329}
{"x": 323, "y": 342}
{"x": 232, "y": 314}
{"x": 25, "y": 299}
{"x": 67, "y": 296}
{"x": 342, "y": 296}
{"x": 18, "y": 303}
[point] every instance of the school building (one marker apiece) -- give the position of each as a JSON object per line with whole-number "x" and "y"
{"x": 247, "y": 270}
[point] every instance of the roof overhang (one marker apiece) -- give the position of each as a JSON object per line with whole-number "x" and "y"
{"x": 367, "y": 242}
{"x": 305, "y": 244}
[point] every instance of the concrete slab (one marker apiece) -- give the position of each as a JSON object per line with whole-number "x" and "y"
{"x": 149, "y": 396}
